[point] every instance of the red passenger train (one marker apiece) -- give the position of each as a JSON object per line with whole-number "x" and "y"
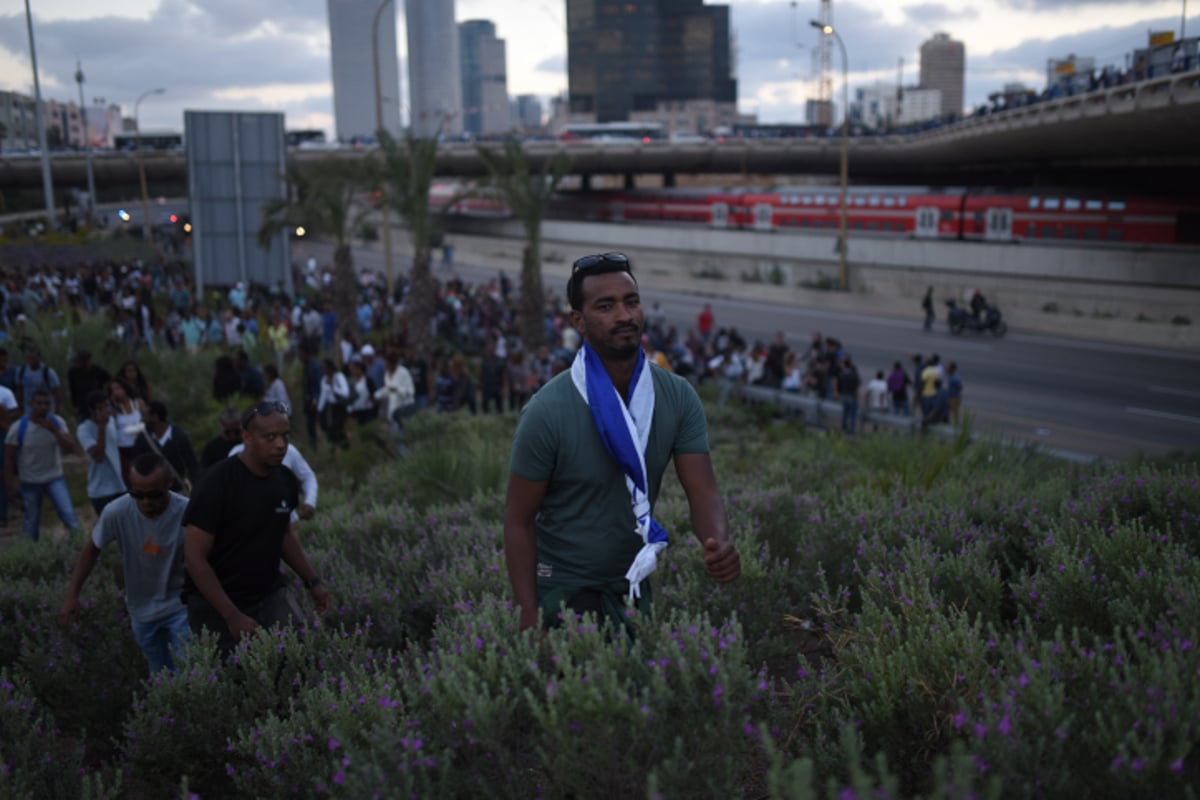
{"x": 913, "y": 212}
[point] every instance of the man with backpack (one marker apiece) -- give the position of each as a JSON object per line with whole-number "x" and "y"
{"x": 33, "y": 449}
{"x": 37, "y": 376}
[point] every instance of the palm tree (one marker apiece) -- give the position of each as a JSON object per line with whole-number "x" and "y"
{"x": 405, "y": 181}
{"x": 527, "y": 195}
{"x": 322, "y": 199}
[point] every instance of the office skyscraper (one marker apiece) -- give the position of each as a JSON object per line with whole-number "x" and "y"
{"x": 943, "y": 67}
{"x": 350, "y": 47}
{"x": 628, "y": 56}
{"x": 484, "y": 78}
{"x": 435, "y": 89}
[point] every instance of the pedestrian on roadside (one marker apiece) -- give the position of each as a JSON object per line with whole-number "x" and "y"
{"x": 927, "y": 304}
{"x": 954, "y": 390}
{"x": 897, "y": 384}
{"x": 847, "y": 385}
{"x": 147, "y": 525}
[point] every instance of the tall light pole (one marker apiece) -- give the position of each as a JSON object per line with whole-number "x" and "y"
{"x": 40, "y": 121}
{"x": 87, "y": 145}
{"x": 137, "y": 128}
{"x": 385, "y": 221}
{"x": 842, "y": 239}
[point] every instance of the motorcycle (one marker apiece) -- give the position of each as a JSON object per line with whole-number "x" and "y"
{"x": 960, "y": 319}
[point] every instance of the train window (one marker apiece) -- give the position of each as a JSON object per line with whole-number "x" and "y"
{"x": 858, "y": 223}
{"x": 1031, "y": 231}
{"x": 872, "y": 225}
{"x": 1091, "y": 234}
{"x": 947, "y": 216}
{"x": 1035, "y": 202}
{"x": 1070, "y": 232}
{"x": 1113, "y": 234}
{"x": 1116, "y": 205}
{"x": 1071, "y": 204}
{"x": 807, "y": 200}
{"x": 820, "y": 199}
{"x": 889, "y": 202}
{"x": 805, "y": 222}
{"x": 887, "y": 226}
{"x": 874, "y": 201}
{"x": 1094, "y": 205}
{"x": 1046, "y": 232}
{"x": 860, "y": 201}
{"x": 1052, "y": 203}
{"x": 902, "y": 201}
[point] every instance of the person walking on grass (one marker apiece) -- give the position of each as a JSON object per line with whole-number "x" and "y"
{"x": 585, "y": 469}
{"x": 238, "y": 528}
{"x": 147, "y": 525}
{"x": 34, "y": 446}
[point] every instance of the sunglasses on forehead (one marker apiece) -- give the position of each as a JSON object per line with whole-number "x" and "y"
{"x": 265, "y": 409}
{"x": 619, "y": 260}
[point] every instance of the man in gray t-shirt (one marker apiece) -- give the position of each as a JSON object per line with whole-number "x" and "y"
{"x": 33, "y": 449}
{"x": 147, "y": 525}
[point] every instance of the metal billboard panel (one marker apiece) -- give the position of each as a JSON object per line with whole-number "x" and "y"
{"x": 235, "y": 164}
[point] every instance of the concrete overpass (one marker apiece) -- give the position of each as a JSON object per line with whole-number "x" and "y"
{"x": 1136, "y": 135}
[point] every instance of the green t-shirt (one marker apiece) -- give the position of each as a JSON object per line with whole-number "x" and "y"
{"x": 586, "y": 533}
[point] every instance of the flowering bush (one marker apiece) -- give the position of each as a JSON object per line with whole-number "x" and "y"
{"x": 934, "y": 619}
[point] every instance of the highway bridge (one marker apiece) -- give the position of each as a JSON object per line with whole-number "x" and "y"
{"x": 1137, "y": 135}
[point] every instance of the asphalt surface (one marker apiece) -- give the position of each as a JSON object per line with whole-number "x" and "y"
{"x": 1073, "y": 396}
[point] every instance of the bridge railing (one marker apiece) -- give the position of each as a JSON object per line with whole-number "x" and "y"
{"x": 827, "y": 414}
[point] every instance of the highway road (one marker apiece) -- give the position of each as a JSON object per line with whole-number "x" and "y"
{"x": 1088, "y": 398}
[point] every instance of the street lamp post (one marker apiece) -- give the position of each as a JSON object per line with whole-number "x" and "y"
{"x": 385, "y": 222}
{"x": 137, "y": 128}
{"x": 828, "y": 30}
{"x": 39, "y": 119}
{"x": 87, "y": 145}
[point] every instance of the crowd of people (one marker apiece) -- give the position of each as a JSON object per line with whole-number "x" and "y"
{"x": 196, "y": 560}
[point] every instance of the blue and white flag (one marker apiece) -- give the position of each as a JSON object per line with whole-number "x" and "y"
{"x": 625, "y": 430}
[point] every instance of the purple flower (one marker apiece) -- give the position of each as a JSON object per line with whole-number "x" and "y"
{"x": 339, "y": 777}
{"x": 334, "y": 744}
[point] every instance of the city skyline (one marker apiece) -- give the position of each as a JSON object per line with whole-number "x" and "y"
{"x": 275, "y": 55}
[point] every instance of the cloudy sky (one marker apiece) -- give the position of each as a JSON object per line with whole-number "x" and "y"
{"x": 274, "y": 54}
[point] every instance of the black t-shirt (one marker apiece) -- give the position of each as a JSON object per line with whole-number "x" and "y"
{"x": 247, "y": 516}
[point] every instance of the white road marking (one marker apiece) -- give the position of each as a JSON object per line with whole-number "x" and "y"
{"x": 1149, "y": 412}
{"x": 1176, "y": 392}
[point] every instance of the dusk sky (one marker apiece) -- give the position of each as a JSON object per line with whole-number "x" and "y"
{"x": 273, "y": 55}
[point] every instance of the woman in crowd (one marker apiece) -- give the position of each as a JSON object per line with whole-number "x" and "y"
{"x": 135, "y": 382}
{"x": 128, "y": 412}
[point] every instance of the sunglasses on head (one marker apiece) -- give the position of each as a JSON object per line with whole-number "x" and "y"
{"x": 265, "y": 409}
{"x": 157, "y": 495}
{"x": 587, "y": 262}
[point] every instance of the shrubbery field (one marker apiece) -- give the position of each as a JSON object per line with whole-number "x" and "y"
{"x": 914, "y": 618}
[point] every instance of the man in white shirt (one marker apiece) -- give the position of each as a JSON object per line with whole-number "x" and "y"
{"x": 878, "y": 397}
{"x": 398, "y": 390}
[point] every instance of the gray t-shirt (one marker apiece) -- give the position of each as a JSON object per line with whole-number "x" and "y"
{"x": 104, "y": 477}
{"x": 585, "y": 527}
{"x": 151, "y": 552}
{"x": 40, "y": 458}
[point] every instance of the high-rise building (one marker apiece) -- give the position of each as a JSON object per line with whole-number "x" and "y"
{"x": 18, "y": 129}
{"x": 943, "y": 66}
{"x": 883, "y": 106}
{"x": 626, "y": 56}
{"x": 434, "y": 86}
{"x": 484, "y": 78}
{"x": 351, "y": 24}
{"x": 527, "y": 111}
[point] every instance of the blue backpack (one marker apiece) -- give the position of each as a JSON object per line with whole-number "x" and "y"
{"x": 23, "y": 426}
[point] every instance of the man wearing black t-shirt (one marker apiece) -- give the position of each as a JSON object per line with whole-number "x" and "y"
{"x": 238, "y": 526}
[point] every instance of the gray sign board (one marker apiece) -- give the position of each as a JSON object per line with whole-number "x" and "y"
{"x": 235, "y": 163}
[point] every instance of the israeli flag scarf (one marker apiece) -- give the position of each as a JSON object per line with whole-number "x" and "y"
{"x": 625, "y": 430}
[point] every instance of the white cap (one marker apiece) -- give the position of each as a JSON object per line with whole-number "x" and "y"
{"x": 367, "y": 350}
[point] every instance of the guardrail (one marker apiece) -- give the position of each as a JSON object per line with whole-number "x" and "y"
{"x": 828, "y": 413}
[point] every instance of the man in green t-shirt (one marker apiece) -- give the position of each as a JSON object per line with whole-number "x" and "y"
{"x": 571, "y": 530}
